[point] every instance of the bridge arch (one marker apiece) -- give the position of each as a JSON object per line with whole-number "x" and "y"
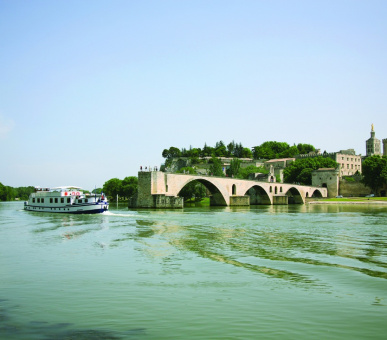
{"x": 317, "y": 193}
{"x": 258, "y": 195}
{"x": 217, "y": 197}
{"x": 294, "y": 196}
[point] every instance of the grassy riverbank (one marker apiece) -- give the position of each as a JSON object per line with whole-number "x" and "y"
{"x": 354, "y": 200}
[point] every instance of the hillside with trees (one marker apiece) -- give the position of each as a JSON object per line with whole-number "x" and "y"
{"x": 267, "y": 150}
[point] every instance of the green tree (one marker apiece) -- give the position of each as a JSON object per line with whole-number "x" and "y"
{"x": 128, "y": 186}
{"x": 216, "y": 167}
{"x": 300, "y": 170}
{"x": 112, "y": 188}
{"x": 172, "y": 152}
{"x": 3, "y": 192}
{"x": 305, "y": 148}
{"x": 234, "y": 168}
{"x": 374, "y": 171}
{"x": 269, "y": 150}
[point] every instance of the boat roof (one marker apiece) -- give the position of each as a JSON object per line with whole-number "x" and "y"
{"x": 67, "y": 187}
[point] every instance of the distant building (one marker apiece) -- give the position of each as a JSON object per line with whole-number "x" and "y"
{"x": 373, "y": 146}
{"x": 349, "y": 162}
{"x": 385, "y": 147}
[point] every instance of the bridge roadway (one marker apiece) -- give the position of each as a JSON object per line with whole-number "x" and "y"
{"x": 158, "y": 189}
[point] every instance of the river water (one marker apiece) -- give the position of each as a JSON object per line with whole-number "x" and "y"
{"x": 268, "y": 272}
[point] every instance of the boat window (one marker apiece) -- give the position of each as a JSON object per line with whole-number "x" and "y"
{"x": 51, "y": 200}
{"x": 33, "y": 200}
{"x": 56, "y": 200}
{"x": 79, "y": 201}
{"x": 62, "y": 200}
{"x": 68, "y": 199}
{"x": 38, "y": 200}
{"x": 42, "y": 200}
{"x": 86, "y": 200}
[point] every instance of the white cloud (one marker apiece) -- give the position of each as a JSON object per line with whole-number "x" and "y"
{"x": 6, "y": 125}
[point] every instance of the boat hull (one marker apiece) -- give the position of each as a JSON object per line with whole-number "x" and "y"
{"x": 73, "y": 209}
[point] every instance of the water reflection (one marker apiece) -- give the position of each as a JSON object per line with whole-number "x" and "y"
{"x": 11, "y": 329}
{"x": 275, "y": 246}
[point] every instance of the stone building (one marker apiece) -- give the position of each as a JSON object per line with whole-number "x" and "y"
{"x": 349, "y": 162}
{"x": 327, "y": 178}
{"x": 373, "y": 146}
{"x": 385, "y": 147}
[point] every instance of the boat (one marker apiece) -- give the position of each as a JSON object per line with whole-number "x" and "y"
{"x": 67, "y": 200}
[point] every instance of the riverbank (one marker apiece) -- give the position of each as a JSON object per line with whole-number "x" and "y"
{"x": 352, "y": 200}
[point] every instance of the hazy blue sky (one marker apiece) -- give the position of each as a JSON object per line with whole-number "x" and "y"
{"x": 91, "y": 90}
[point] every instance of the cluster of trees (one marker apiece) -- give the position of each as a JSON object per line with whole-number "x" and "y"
{"x": 220, "y": 150}
{"x": 374, "y": 171}
{"x": 123, "y": 188}
{"x": 272, "y": 150}
{"x": 8, "y": 193}
{"x": 300, "y": 171}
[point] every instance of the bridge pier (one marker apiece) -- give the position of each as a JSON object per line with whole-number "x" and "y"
{"x": 239, "y": 201}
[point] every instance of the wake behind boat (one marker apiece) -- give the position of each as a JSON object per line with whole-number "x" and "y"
{"x": 69, "y": 200}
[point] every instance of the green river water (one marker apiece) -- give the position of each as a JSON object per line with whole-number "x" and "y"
{"x": 267, "y": 272}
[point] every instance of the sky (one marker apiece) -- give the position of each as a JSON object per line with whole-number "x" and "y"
{"x": 91, "y": 90}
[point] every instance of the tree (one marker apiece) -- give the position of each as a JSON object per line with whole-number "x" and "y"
{"x": 3, "y": 192}
{"x": 216, "y": 167}
{"x": 112, "y": 188}
{"x": 172, "y": 152}
{"x": 234, "y": 168}
{"x": 300, "y": 171}
{"x": 269, "y": 150}
{"x": 305, "y": 148}
{"x": 128, "y": 186}
{"x": 374, "y": 171}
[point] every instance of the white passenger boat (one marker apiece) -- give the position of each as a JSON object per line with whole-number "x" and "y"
{"x": 70, "y": 200}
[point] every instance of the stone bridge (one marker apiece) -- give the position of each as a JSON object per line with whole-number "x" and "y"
{"x": 158, "y": 189}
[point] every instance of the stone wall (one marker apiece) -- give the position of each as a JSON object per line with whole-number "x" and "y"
{"x": 356, "y": 189}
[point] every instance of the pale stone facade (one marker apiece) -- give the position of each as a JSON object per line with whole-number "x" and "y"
{"x": 327, "y": 178}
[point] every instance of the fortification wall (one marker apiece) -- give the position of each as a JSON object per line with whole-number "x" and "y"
{"x": 356, "y": 189}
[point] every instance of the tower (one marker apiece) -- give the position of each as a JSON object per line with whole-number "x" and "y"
{"x": 373, "y": 144}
